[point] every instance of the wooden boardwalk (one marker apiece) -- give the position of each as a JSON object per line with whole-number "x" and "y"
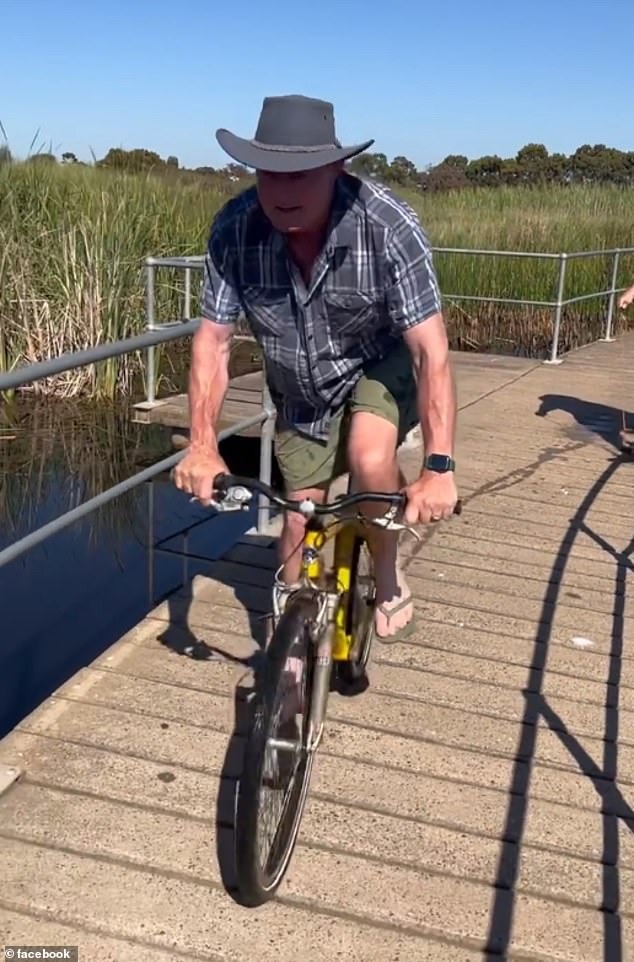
{"x": 475, "y": 803}
{"x": 243, "y": 400}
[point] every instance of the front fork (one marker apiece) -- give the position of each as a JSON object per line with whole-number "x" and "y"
{"x": 322, "y": 638}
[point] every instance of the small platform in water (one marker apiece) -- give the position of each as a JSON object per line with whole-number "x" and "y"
{"x": 243, "y": 400}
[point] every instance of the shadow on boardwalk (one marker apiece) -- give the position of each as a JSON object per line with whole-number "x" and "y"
{"x": 603, "y": 772}
{"x": 601, "y": 419}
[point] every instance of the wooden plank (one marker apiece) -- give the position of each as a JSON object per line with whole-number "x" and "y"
{"x": 243, "y": 400}
{"x": 248, "y": 382}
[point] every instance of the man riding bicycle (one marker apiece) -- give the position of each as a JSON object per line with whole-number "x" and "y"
{"x": 335, "y": 277}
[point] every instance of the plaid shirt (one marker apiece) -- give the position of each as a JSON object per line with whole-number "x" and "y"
{"x": 373, "y": 280}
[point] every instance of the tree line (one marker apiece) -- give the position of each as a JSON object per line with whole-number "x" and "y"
{"x": 532, "y": 165}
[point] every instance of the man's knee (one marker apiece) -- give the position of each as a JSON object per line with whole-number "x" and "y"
{"x": 372, "y": 445}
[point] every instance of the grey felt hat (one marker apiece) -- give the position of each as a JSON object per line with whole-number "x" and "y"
{"x": 293, "y": 133}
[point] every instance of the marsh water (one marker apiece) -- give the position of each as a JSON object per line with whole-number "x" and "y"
{"x": 66, "y": 600}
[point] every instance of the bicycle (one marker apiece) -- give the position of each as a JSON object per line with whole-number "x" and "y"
{"x": 327, "y": 623}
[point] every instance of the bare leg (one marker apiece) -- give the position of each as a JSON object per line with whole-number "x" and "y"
{"x": 373, "y": 466}
{"x": 290, "y": 542}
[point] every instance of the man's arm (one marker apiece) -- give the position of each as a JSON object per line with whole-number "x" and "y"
{"x": 208, "y": 382}
{"x": 209, "y": 369}
{"x": 414, "y": 305}
{"x": 209, "y": 372}
{"x": 429, "y": 347}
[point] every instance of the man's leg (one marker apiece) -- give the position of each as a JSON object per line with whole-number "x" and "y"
{"x": 307, "y": 467}
{"x": 383, "y": 410}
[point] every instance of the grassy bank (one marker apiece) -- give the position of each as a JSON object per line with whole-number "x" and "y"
{"x": 73, "y": 240}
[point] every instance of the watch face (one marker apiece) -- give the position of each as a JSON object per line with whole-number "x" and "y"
{"x": 439, "y": 462}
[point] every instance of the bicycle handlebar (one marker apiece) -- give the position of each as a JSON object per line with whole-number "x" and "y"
{"x": 223, "y": 482}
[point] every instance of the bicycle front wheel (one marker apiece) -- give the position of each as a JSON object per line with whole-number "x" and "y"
{"x": 277, "y": 766}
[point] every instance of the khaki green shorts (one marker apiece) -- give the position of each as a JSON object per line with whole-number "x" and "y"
{"x": 387, "y": 388}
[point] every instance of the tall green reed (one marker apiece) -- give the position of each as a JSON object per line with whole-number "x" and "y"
{"x": 73, "y": 241}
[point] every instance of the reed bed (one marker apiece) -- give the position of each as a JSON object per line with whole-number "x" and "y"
{"x": 73, "y": 241}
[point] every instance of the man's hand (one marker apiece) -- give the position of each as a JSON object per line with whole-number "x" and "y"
{"x": 626, "y": 298}
{"x": 432, "y": 497}
{"x": 196, "y": 472}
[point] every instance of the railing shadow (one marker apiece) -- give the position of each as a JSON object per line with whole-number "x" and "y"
{"x": 614, "y": 808}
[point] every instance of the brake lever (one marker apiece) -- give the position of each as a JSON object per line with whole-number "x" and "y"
{"x": 236, "y": 498}
{"x": 388, "y": 524}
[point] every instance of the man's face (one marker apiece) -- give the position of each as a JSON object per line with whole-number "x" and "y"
{"x": 300, "y": 201}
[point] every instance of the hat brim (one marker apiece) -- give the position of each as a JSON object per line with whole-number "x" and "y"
{"x": 283, "y": 160}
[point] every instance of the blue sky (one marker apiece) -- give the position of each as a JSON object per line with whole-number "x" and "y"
{"x": 424, "y": 79}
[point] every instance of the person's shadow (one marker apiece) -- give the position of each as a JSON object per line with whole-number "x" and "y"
{"x": 608, "y": 422}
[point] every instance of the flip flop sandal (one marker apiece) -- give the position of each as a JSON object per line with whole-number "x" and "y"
{"x": 401, "y": 633}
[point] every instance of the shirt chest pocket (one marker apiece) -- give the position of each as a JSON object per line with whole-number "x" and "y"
{"x": 268, "y": 310}
{"x": 352, "y": 314}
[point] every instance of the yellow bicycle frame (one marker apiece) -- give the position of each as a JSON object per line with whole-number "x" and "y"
{"x": 345, "y": 533}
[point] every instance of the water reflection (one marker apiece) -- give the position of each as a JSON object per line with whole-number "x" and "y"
{"x": 66, "y": 600}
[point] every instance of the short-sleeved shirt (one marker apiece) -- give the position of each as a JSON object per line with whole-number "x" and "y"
{"x": 372, "y": 282}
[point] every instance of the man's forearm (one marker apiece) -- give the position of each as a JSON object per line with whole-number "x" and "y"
{"x": 436, "y": 405}
{"x": 208, "y": 382}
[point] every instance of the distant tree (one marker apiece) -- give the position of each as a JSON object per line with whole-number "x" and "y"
{"x": 69, "y": 158}
{"x": 5, "y": 154}
{"x": 486, "y": 171}
{"x": 370, "y": 166}
{"x": 134, "y": 161}
{"x": 444, "y": 176}
{"x": 402, "y": 170}
{"x": 455, "y": 160}
{"x": 172, "y": 161}
{"x": 531, "y": 164}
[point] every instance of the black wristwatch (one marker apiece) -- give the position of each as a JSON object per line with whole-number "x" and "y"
{"x": 440, "y": 463}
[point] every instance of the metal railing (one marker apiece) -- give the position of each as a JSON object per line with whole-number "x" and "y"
{"x": 160, "y": 333}
{"x": 557, "y": 304}
{"x": 29, "y": 373}
{"x": 559, "y": 301}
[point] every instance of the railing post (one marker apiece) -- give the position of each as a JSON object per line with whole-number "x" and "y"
{"x": 615, "y": 271}
{"x": 187, "y": 308}
{"x": 554, "y": 359}
{"x": 150, "y": 535}
{"x": 149, "y": 326}
{"x": 266, "y": 455}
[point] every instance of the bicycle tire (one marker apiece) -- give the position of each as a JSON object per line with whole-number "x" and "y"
{"x": 257, "y": 882}
{"x": 359, "y": 614}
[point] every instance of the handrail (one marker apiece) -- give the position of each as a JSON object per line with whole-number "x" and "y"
{"x": 28, "y": 373}
{"x": 197, "y": 261}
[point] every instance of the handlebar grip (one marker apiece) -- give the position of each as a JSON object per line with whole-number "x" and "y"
{"x": 221, "y": 482}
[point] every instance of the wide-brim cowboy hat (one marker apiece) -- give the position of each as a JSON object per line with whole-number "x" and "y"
{"x": 293, "y": 133}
